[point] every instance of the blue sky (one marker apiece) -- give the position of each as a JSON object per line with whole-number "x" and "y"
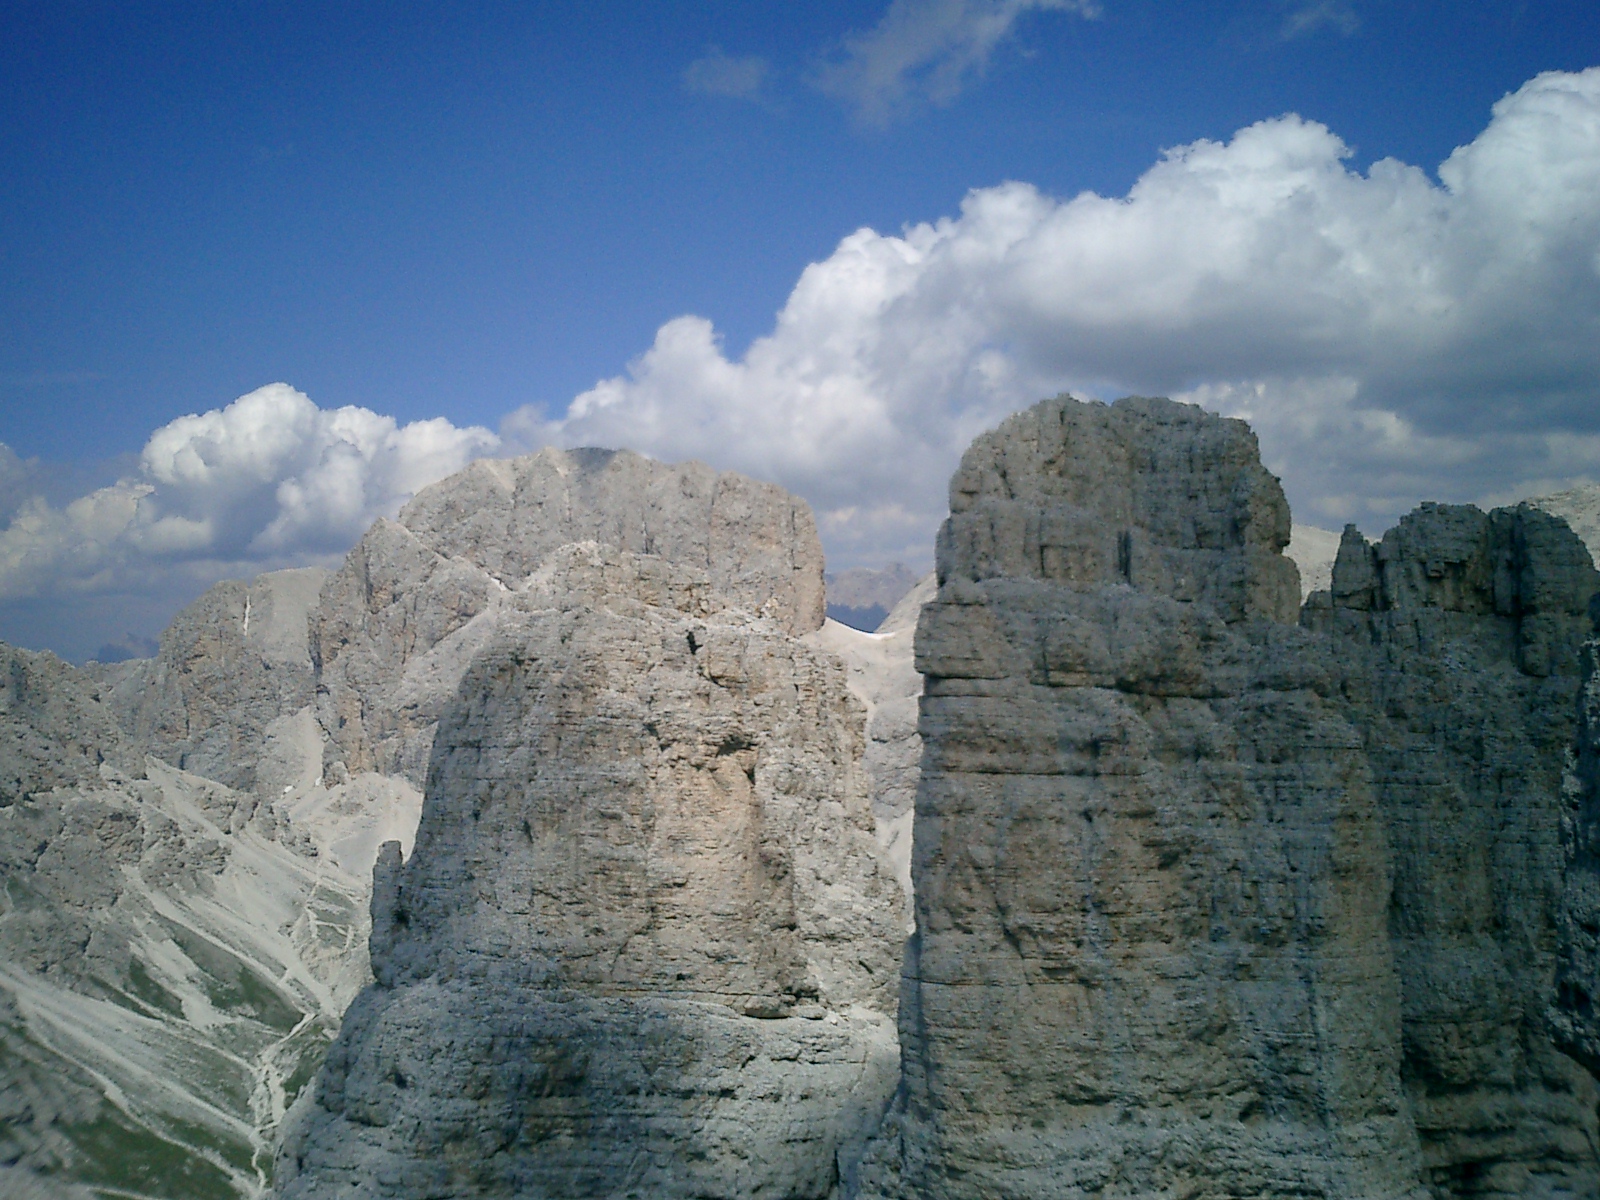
{"x": 479, "y": 213}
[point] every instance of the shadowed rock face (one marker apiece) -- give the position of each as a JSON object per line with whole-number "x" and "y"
{"x": 1150, "y": 874}
{"x": 647, "y": 944}
{"x": 417, "y": 597}
{"x": 1458, "y": 637}
{"x": 1575, "y": 1014}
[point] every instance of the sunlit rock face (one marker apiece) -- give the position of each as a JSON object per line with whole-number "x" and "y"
{"x": 1151, "y": 874}
{"x": 1212, "y": 905}
{"x": 647, "y": 943}
{"x": 882, "y": 674}
{"x": 419, "y": 596}
{"x": 1459, "y": 638}
{"x": 230, "y": 665}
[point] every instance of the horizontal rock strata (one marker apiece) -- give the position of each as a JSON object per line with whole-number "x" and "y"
{"x": 1209, "y": 905}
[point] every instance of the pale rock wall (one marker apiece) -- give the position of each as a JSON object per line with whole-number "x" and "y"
{"x": 1312, "y": 551}
{"x": 1458, "y": 638}
{"x": 54, "y": 730}
{"x": 1579, "y": 507}
{"x": 647, "y": 944}
{"x": 1151, "y": 876}
{"x": 413, "y": 601}
{"x": 882, "y": 674}
{"x": 230, "y": 664}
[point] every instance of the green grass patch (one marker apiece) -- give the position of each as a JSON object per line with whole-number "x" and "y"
{"x": 152, "y": 993}
{"x": 119, "y": 1154}
{"x": 232, "y": 986}
{"x": 237, "y": 1153}
{"x": 311, "y": 1060}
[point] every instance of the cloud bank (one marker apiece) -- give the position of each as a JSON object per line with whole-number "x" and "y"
{"x": 270, "y": 480}
{"x": 925, "y": 52}
{"x": 1392, "y": 336}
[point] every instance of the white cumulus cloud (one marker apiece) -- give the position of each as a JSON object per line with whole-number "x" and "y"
{"x": 270, "y": 480}
{"x": 1392, "y": 336}
{"x": 925, "y": 51}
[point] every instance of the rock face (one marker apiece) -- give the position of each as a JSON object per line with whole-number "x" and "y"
{"x": 883, "y": 676}
{"x": 647, "y": 944}
{"x": 1150, "y": 870}
{"x": 1575, "y": 1014}
{"x": 1214, "y": 896}
{"x": 1212, "y": 905}
{"x": 1458, "y": 638}
{"x": 419, "y": 596}
{"x": 230, "y": 664}
{"x": 1579, "y": 507}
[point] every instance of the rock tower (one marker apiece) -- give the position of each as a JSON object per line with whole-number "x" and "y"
{"x": 647, "y": 944}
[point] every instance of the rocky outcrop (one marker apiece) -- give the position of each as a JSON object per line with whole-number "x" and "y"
{"x": 54, "y": 732}
{"x": 1214, "y": 905}
{"x": 1579, "y": 507}
{"x": 418, "y": 597}
{"x": 647, "y": 944}
{"x": 1214, "y": 895}
{"x": 1458, "y": 638}
{"x": 1151, "y": 953}
{"x": 230, "y": 664}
